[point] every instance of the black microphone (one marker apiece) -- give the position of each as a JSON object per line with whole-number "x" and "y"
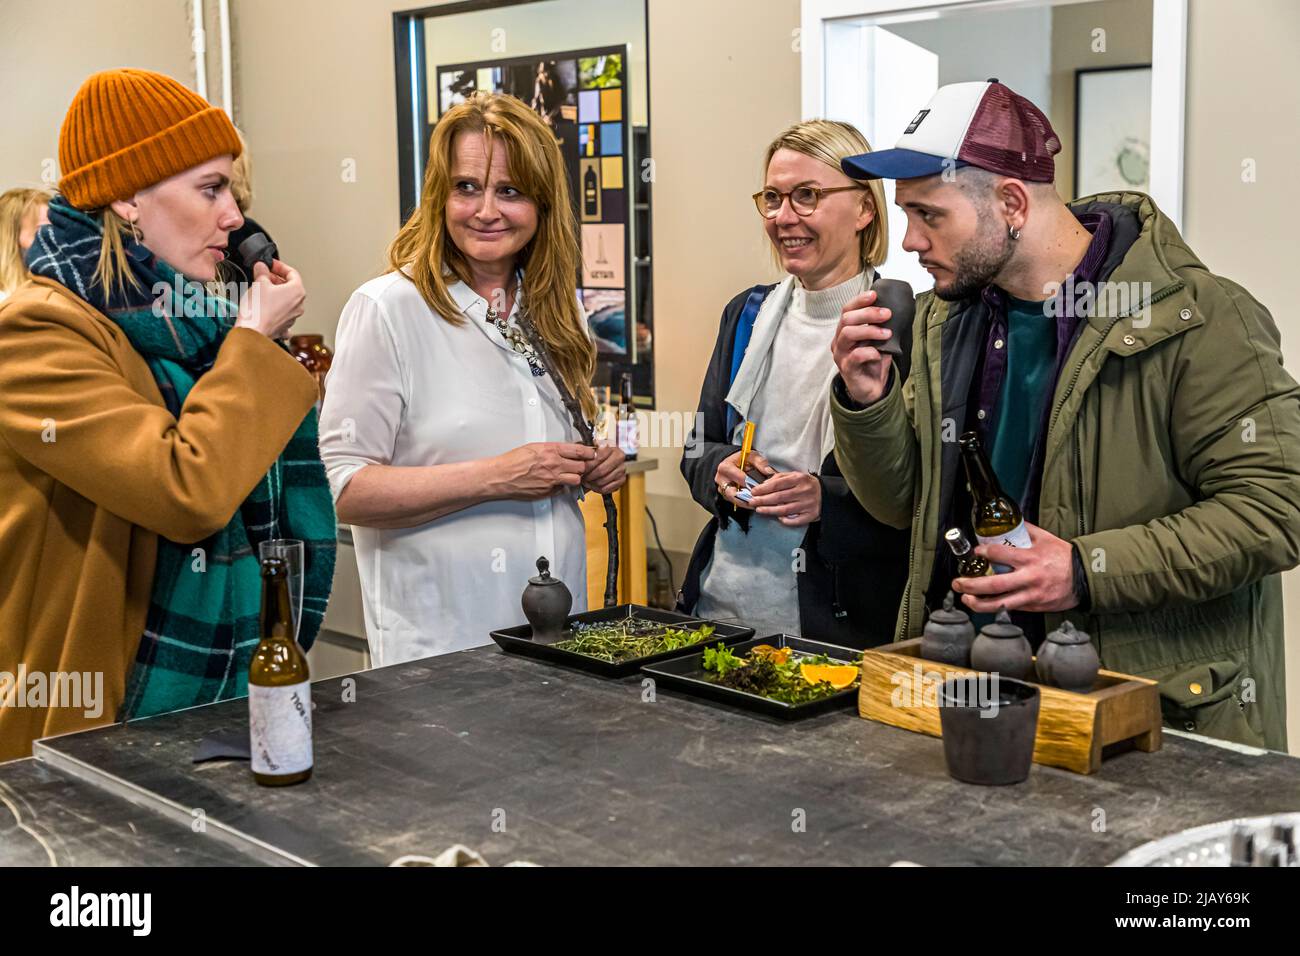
{"x": 896, "y": 296}
{"x": 257, "y": 248}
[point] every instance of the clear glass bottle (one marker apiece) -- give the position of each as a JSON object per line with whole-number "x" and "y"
{"x": 969, "y": 564}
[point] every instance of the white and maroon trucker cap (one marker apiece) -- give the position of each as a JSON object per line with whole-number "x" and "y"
{"x": 982, "y": 124}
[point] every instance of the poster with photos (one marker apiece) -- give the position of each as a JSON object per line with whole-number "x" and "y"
{"x": 582, "y": 96}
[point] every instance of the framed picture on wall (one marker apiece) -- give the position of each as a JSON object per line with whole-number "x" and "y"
{"x": 1112, "y": 129}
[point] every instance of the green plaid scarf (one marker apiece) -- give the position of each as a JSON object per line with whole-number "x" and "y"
{"x": 202, "y": 625}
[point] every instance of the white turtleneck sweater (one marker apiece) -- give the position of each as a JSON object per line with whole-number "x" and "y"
{"x": 752, "y": 577}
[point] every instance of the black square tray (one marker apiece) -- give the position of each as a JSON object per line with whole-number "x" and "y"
{"x": 686, "y": 674}
{"x": 518, "y": 640}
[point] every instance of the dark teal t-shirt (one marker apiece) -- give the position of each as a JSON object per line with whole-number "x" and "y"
{"x": 1026, "y": 387}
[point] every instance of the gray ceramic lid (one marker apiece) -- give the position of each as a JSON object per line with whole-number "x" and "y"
{"x": 544, "y": 573}
{"x": 1002, "y": 626}
{"x": 1067, "y": 633}
{"x": 949, "y": 613}
{"x": 1270, "y": 854}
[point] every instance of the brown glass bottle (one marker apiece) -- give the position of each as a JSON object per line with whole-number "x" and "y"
{"x": 969, "y": 564}
{"x": 994, "y": 514}
{"x": 315, "y": 356}
{"x": 279, "y": 689}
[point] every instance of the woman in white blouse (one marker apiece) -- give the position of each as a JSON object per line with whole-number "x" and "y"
{"x": 447, "y": 445}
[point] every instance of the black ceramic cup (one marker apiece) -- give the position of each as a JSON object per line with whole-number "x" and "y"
{"x": 896, "y": 296}
{"x": 989, "y": 724}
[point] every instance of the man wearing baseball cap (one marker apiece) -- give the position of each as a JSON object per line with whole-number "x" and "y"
{"x": 1133, "y": 402}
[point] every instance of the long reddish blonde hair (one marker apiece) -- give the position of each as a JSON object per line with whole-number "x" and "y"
{"x": 423, "y": 246}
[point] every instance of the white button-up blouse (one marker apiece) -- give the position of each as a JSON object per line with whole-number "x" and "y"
{"x": 408, "y": 388}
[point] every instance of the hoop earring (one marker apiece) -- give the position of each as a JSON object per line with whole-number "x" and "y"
{"x": 1013, "y": 233}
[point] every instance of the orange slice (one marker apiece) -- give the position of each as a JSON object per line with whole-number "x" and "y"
{"x": 838, "y": 676}
{"x": 767, "y": 650}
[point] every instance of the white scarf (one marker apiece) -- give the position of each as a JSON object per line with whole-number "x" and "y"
{"x": 751, "y": 377}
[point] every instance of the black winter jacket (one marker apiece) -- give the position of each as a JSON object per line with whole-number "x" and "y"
{"x": 856, "y": 567}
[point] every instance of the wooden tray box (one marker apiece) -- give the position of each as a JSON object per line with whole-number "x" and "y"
{"x": 1075, "y": 731}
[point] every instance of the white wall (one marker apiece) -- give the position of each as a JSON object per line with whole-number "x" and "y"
{"x": 1013, "y": 45}
{"x": 48, "y": 48}
{"x": 1243, "y": 101}
{"x": 877, "y": 80}
{"x": 724, "y": 80}
{"x": 1127, "y": 26}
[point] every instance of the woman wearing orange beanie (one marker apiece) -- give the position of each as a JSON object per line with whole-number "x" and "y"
{"x": 150, "y": 434}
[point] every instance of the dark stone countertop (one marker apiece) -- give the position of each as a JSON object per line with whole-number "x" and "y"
{"x": 48, "y": 818}
{"x": 523, "y": 761}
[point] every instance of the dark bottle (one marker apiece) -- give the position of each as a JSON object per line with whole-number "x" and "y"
{"x": 969, "y": 564}
{"x": 994, "y": 514}
{"x": 590, "y": 193}
{"x": 279, "y": 689}
{"x": 628, "y": 440}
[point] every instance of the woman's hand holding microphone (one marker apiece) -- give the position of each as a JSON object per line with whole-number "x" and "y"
{"x": 273, "y": 301}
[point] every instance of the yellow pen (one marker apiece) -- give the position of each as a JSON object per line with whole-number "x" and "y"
{"x": 746, "y": 445}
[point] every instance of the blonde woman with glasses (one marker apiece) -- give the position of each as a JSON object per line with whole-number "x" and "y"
{"x": 448, "y": 446}
{"x": 794, "y": 553}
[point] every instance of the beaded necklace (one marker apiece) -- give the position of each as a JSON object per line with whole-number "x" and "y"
{"x": 515, "y": 339}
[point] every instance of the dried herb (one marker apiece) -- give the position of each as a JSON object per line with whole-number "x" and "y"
{"x": 633, "y": 637}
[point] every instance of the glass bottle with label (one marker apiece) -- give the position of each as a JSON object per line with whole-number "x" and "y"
{"x": 969, "y": 564}
{"x": 590, "y": 194}
{"x": 628, "y": 440}
{"x": 279, "y": 689}
{"x": 994, "y": 515}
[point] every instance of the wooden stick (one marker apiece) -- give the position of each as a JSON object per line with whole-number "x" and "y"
{"x": 588, "y": 438}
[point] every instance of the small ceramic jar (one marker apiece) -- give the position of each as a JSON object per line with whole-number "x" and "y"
{"x": 546, "y": 602}
{"x": 1068, "y": 660}
{"x": 948, "y": 635}
{"x": 1002, "y": 648}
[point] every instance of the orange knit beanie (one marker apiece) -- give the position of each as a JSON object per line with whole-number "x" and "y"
{"x": 128, "y": 129}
